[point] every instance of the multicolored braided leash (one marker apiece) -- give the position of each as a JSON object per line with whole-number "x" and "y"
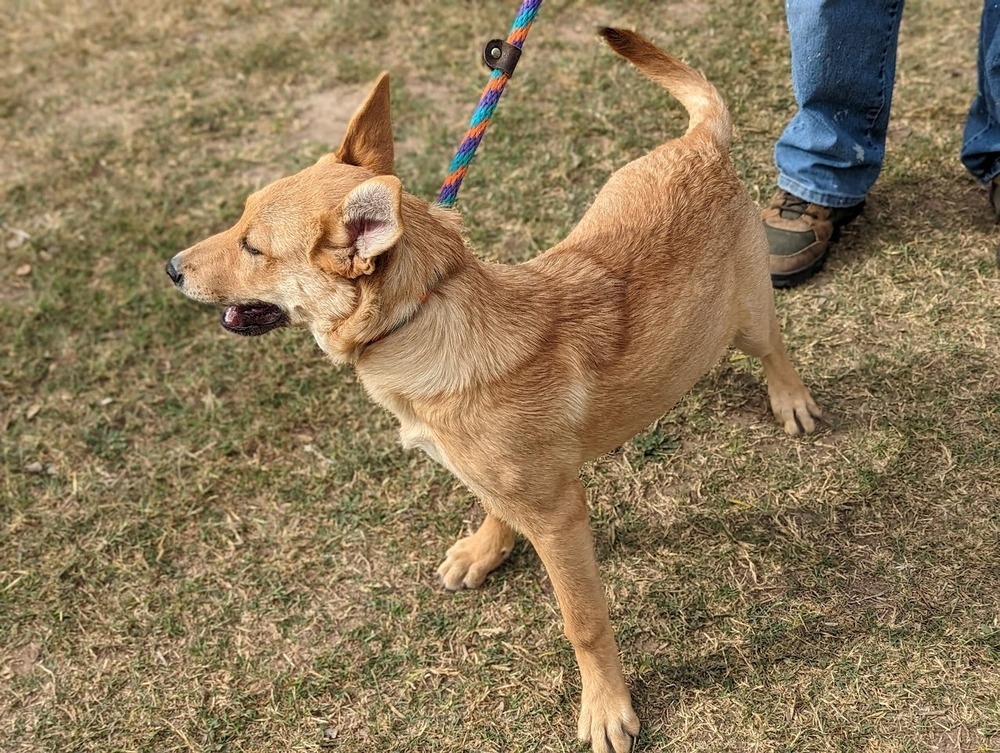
{"x": 502, "y": 57}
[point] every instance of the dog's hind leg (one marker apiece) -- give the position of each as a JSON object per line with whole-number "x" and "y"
{"x": 471, "y": 559}
{"x": 759, "y": 336}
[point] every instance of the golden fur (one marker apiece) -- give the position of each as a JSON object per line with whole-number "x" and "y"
{"x": 514, "y": 376}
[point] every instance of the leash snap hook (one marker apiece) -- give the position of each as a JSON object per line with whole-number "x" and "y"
{"x": 501, "y": 55}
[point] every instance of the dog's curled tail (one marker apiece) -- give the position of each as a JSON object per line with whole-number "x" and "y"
{"x": 699, "y": 97}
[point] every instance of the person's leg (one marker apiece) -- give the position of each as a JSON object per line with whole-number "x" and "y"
{"x": 830, "y": 153}
{"x": 843, "y": 65}
{"x": 981, "y": 143}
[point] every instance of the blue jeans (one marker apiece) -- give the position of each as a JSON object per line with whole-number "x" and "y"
{"x": 843, "y": 65}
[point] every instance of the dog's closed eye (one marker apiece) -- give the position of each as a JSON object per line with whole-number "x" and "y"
{"x": 248, "y": 248}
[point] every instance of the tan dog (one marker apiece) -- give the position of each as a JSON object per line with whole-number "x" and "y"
{"x": 514, "y": 376}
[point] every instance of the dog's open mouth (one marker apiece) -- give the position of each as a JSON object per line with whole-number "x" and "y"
{"x": 253, "y": 318}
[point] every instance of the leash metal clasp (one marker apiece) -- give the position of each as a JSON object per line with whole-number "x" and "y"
{"x": 500, "y": 55}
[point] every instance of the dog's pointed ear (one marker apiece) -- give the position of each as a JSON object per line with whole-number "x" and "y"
{"x": 368, "y": 140}
{"x": 366, "y": 224}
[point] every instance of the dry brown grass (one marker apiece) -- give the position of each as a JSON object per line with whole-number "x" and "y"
{"x": 210, "y": 543}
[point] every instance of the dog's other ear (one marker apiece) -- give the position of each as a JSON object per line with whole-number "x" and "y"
{"x": 367, "y": 223}
{"x": 368, "y": 141}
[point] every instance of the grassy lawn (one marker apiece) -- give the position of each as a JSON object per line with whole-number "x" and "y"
{"x": 212, "y": 543}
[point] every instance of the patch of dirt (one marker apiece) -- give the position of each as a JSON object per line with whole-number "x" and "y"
{"x": 446, "y": 105}
{"x": 15, "y": 295}
{"x": 323, "y": 117}
{"x": 687, "y": 12}
{"x": 443, "y": 100}
{"x": 325, "y": 114}
{"x": 22, "y": 660}
{"x": 960, "y": 740}
{"x": 11, "y": 169}
{"x": 580, "y": 29}
{"x": 15, "y": 285}
{"x": 102, "y": 117}
{"x": 577, "y": 28}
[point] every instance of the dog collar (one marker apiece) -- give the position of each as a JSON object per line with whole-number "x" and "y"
{"x": 405, "y": 320}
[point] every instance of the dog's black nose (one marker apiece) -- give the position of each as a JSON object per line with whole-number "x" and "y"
{"x": 175, "y": 274}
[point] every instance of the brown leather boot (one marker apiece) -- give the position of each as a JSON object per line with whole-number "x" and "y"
{"x": 994, "y": 193}
{"x": 799, "y": 235}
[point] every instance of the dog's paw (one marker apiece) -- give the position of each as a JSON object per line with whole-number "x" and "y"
{"x": 795, "y": 410}
{"x": 470, "y": 560}
{"x": 610, "y": 726}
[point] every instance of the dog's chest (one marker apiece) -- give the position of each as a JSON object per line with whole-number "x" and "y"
{"x": 415, "y": 434}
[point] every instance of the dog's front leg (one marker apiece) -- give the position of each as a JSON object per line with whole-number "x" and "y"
{"x": 471, "y": 559}
{"x": 560, "y": 532}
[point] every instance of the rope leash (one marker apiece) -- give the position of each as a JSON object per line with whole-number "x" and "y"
{"x": 502, "y": 58}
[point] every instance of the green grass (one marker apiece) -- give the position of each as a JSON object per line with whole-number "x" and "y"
{"x": 211, "y": 543}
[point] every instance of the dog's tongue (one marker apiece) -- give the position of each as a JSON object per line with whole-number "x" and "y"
{"x": 236, "y": 316}
{"x": 252, "y": 318}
